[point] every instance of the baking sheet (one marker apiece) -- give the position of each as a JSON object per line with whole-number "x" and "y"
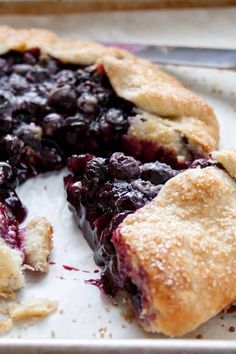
{"x": 85, "y": 319}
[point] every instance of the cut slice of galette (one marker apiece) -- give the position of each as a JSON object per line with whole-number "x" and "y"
{"x": 19, "y": 247}
{"x": 59, "y": 97}
{"x": 165, "y": 237}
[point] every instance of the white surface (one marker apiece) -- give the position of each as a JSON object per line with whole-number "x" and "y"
{"x": 85, "y": 311}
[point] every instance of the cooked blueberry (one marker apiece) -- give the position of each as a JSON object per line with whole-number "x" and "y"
{"x": 73, "y": 193}
{"x": 5, "y": 123}
{"x": 51, "y": 157}
{"x": 31, "y": 135}
{"x": 11, "y": 148}
{"x": 157, "y": 172}
{"x": 66, "y": 77}
{"x": 77, "y": 164}
{"x": 115, "y": 117}
{"x": 9, "y": 228}
{"x": 11, "y": 200}
{"x": 37, "y": 74}
{"x": 52, "y": 122}
{"x": 21, "y": 69}
{"x": 63, "y": 98}
{"x": 123, "y": 167}
{"x": 32, "y": 55}
{"x": 130, "y": 201}
{"x": 3, "y": 63}
{"x": 87, "y": 103}
{"x": 202, "y": 163}
{"x": 78, "y": 122}
{"x": 3, "y": 100}
{"x": 17, "y": 83}
{"x": 52, "y": 65}
{"x": 29, "y": 110}
{"x": 96, "y": 168}
{"x": 7, "y": 176}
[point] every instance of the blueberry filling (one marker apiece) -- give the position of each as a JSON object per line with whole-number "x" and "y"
{"x": 50, "y": 110}
{"x": 9, "y": 228}
{"x": 12, "y": 211}
{"x": 102, "y": 192}
{"x": 8, "y": 196}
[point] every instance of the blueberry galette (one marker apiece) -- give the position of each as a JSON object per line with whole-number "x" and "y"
{"x": 129, "y": 131}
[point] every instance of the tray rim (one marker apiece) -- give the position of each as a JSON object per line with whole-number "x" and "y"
{"x": 104, "y": 346}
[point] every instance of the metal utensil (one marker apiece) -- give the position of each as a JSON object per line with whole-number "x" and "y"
{"x": 189, "y": 56}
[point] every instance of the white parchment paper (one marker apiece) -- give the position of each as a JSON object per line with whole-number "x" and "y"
{"x": 83, "y": 312}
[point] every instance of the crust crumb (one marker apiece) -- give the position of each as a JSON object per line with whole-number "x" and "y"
{"x": 38, "y": 244}
{"x": 128, "y": 315}
{"x": 5, "y": 325}
{"x": 36, "y": 308}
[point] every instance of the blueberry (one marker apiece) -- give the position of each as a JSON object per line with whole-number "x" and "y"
{"x": 123, "y": 167}
{"x": 31, "y": 134}
{"x": 66, "y": 77}
{"x": 52, "y": 65}
{"x": 52, "y": 158}
{"x": 7, "y": 176}
{"x": 37, "y": 74}
{"x": 202, "y": 163}
{"x": 85, "y": 87}
{"x": 30, "y": 109}
{"x": 52, "y": 122}
{"x": 78, "y": 122}
{"x": 3, "y": 64}
{"x": 147, "y": 188}
{"x": 63, "y": 98}
{"x": 31, "y": 56}
{"x": 157, "y": 172}
{"x": 132, "y": 200}
{"x": 12, "y": 201}
{"x": 17, "y": 83}
{"x": 74, "y": 193}
{"x": 77, "y": 164}
{"x": 96, "y": 169}
{"x": 5, "y": 123}
{"x": 21, "y": 69}
{"x": 87, "y": 103}
{"x": 115, "y": 117}
{"x": 4, "y": 103}
{"x": 11, "y": 148}
{"x": 110, "y": 192}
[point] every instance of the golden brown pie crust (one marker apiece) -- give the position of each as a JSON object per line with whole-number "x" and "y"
{"x": 134, "y": 79}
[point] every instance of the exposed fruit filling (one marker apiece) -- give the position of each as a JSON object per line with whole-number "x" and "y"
{"x": 49, "y": 110}
{"x": 102, "y": 192}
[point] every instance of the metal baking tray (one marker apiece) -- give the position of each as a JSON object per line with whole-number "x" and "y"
{"x": 85, "y": 321}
